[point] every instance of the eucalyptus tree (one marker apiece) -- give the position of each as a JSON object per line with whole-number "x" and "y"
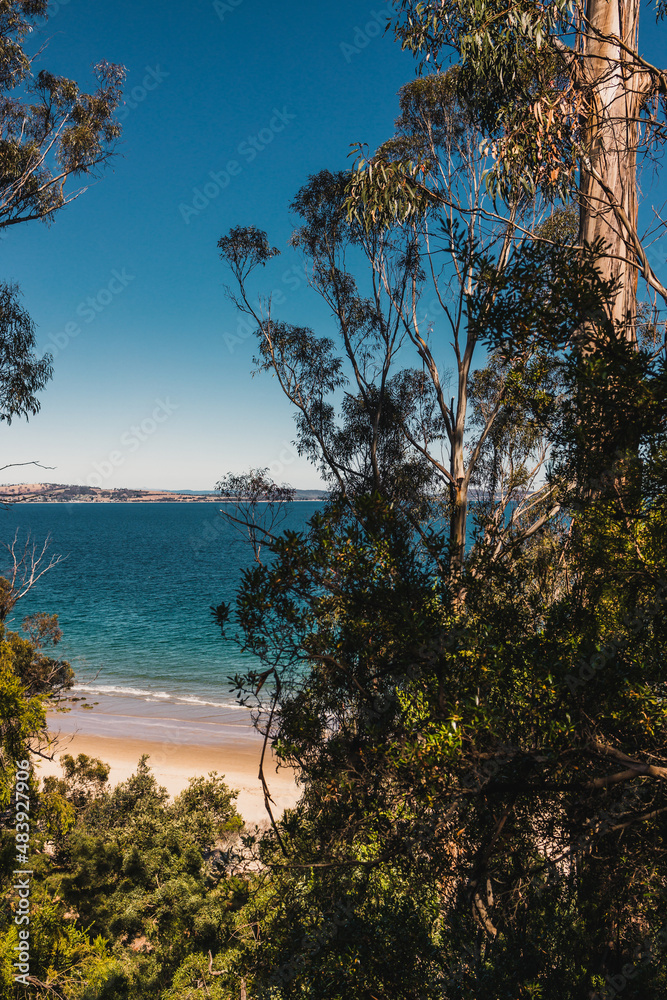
{"x": 22, "y": 373}
{"x": 501, "y": 757}
{"x": 52, "y": 132}
{"x": 504, "y": 768}
{"x": 401, "y": 292}
{"x": 570, "y": 106}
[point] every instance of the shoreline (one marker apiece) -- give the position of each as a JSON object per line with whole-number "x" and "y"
{"x": 72, "y": 493}
{"x": 234, "y": 752}
{"x": 184, "y": 500}
{"x": 154, "y": 717}
{"x": 175, "y": 765}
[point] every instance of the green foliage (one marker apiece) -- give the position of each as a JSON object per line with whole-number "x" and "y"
{"x": 211, "y": 804}
{"x": 375, "y": 420}
{"x": 51, "y": 130}
{"x": 561, "y": 227}
{"x": 485, "y": 781}
{"x": 529, "y": 74}
{"x": 359, "y": 445}
{"x": 22, "y": 374}
{"x": 407, "y": 178}
{"x": 130, "y": 891}
{"x": 513, "y": 77}
{"x": 244, "y": 248}
{"x": 480, "y": 756}
{"x": 546, "y": 298}
{"x": 28, "y": 680}
{"x": 83, "y": 779}
{"x": 68, "y": 955}
{"x": 339, "y": 934}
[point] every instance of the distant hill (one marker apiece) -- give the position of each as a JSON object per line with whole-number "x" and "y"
{"x": 300, "y": 494}
{"x": 311, "y": 494}
{"x": 68, "y": 493}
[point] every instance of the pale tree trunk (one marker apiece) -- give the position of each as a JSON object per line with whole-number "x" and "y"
{"x": 460, "y": 477}
{"x": 615, "y": 88}
{"x": 458, "y": 491}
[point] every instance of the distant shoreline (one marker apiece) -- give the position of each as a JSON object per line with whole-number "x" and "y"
{"x": 166, "y": 500}
{"x": 67, "y": 493}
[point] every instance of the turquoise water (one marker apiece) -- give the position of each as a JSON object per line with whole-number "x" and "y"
{"x": 133, "y": 596}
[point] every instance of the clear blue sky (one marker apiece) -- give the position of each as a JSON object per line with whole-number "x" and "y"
{"x": 127, "y": 284}
{"x": 278, "y": 89}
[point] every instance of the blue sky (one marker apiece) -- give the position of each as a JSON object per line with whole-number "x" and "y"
{"x": 230, "y": 106}
{"x": 126, "y": 287}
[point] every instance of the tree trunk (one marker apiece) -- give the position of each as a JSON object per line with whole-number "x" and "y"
{"x": 615, "y": 90}
{"x": 457, "y": 525}
{"x": 458, "y": 490}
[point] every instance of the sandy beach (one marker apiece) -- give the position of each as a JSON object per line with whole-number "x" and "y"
{"x": 234, "y": 754}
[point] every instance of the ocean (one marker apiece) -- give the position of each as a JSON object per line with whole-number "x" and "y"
{"x": 133, "y": 594}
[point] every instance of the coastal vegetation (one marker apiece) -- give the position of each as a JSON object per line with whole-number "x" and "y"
{"x": 476, "y": 711}
{"x": 130, "y": 894}
{"x": 462, "y": 655}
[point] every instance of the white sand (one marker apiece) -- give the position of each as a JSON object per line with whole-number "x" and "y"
{"x": 173, "y": 764}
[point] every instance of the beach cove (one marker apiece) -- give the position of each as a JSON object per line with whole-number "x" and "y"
{"x": 133, "y": 594}
{"x": 180, "y": 745}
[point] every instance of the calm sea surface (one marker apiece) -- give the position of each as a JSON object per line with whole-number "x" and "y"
{"x": 133, "y": 595}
